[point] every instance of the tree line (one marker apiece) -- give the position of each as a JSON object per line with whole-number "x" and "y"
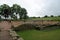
{"x": 46, "y": 16}
{"x": 13, "y": 12}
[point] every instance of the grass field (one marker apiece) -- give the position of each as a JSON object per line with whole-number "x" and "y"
{"x": 40, "y": 35}
{"x": 47, "y": 18}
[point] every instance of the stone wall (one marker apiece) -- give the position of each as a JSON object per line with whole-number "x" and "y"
{"x": 14, "y": 35}
{"x": 38, "y": 22}
{"x": 20, "y": 25}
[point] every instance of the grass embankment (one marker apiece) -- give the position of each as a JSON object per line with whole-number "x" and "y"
{"x": 40, "y": 35}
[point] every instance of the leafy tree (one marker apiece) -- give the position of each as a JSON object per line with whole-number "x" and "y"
{"x": 38, "y": 17}
{"x": 15, "y": 9}
{"x": 45, "y": 16}
{"x": 23, "y": 13}
{"x": 33, "y": 17}
{"x": 52, "y": 16}
{"x": 5, "y": 10}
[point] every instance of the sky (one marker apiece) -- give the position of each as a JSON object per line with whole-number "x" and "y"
{"x": 37, "y": 7}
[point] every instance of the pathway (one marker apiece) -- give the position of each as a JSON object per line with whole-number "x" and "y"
{"x": 4, "y": 34}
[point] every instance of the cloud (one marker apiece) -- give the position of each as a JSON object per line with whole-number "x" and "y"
{"x": 37, "y": 7}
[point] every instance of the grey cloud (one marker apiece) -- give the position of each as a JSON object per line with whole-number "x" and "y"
{"x": 37, "y": 7}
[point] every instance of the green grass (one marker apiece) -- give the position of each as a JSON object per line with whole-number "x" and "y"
{"x": 47, "y": 18}
{"x": 40, "y": 35}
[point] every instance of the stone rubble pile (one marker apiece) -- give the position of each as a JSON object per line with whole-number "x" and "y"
{"x": 14, "y": 35}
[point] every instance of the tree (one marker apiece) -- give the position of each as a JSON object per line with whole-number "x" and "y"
{"x": 15, "y": 9}
{"x": 52, "y": 16}
{"x": 38, "y": 17}
{"x": 45, "y": 16}
{"x": 5, "y": 10}
{"x": 23, "y": 14}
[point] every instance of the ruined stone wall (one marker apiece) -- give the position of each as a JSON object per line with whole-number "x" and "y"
{"x": 17, "y": 23}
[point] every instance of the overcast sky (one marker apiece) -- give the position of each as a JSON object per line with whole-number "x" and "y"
{"x": 37, "y": 7}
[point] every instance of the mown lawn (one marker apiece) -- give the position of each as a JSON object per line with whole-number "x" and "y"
{"x": 40, "y": 35}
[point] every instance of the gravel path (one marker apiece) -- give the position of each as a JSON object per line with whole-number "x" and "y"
{"x": 4, "y": 34}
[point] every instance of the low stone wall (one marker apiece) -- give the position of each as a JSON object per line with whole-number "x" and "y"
{"x": 49, "y": 27}
{"x": 37, "y": 27}
{"x": 14, "y": 35}
{"x": 38, "y": 22}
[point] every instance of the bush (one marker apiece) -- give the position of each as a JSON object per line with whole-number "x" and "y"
{"x": 52, "y": 16}
{"x": 58, "y": 15}
{"x": 45, "y": 16}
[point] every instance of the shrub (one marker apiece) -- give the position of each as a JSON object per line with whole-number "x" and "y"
{"x": 52, "y": 16}
{"x": 45, "y": 16}
{"x": 58, "y": 15}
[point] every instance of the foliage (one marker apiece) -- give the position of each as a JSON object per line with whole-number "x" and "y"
{"x": 6, "y": 11}
{"x": 52, "y": 16}
{"x": 58, "y": 15}
{"x": 23, "y": 13}
{"x": 45, "y": 16}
